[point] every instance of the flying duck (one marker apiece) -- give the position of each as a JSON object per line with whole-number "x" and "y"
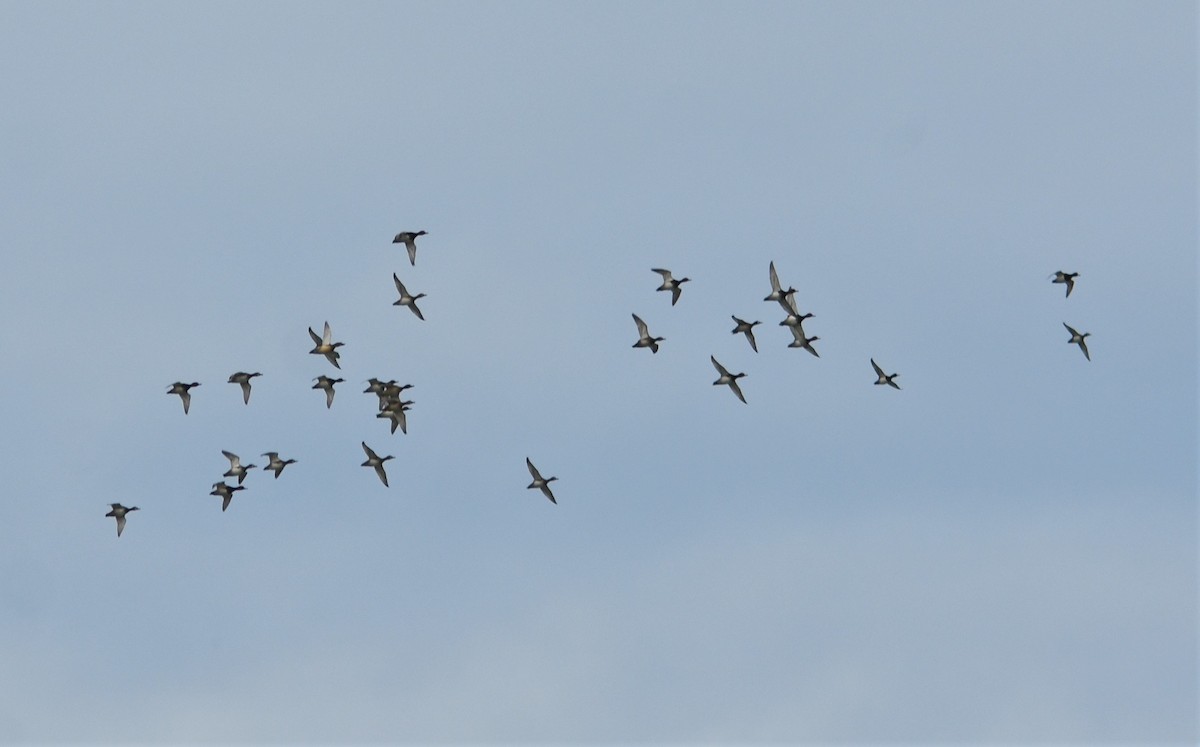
{"x": 644, "y": 339}
{"x": 277, "y": 464}
{"x": 225, "y": 492}
{"x": 1066, "y": 277}
{"x": 539, "y": 482}
{"x": 1078, "y": 339}
{"x": 794, "y": 317}
{"x": 387, "y": 391}
{"x": 182, "y": 390}
{"x": 326, "y": 346}
{"x": 374, "y": 460}
{"x": 394, "y": 410}
{"x": 670, "y": 284}
{"x": 119, "y": 512}
{"x": 374, "y": 386}
{"x": 800, "y": 341}
{"x": 235, "y": 467}
{"x": 326, "y": 383}
{"x": 407, "y": 299}
{"x": 243, "y": 378}
{"x": 777, "y": 292}
{"x": 409, "y": 239}
{"x": 746, "y": 328}
{"x": 727, "y": 378}
{"x": 884, "y": 378}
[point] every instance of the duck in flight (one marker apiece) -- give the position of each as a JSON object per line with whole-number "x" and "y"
{"x": 182, "y": 390}
{"x": 407, "y": 299}
{"x": 727, "y": 378}
{"x": 225, "y": 492}
{"x": 746, "y": 328}
{"x": 243, "y": 378}
{"x": 235, "y": 467}
{"x": 670, "y": 284}
{"x": 326, "y": 346}
{"x": 387, "y": 391}
{"x": 326, "y": 383}
{"x": 794, "y": 317}
{"x": 374, "y": 460}
{"x": 395, "y": 410}
{"x": 276, "y": 465}
{"x": 539, "y": 482}
{"x": 884, "y": 378}
{"x": 409, "y": 239}
{"x": 644, "y": 338}
{"x": 1079, "y": 340}
{"x": 777, "y": 292}
{"x": 800, "y": 341}
{"x": 1066, "y": 277}
{"x": 119, "y": 511}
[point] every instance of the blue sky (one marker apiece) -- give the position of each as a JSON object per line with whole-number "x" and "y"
{"x": 1003, "y": 551}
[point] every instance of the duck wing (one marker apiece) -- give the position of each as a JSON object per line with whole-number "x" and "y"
{"x": 370, "y": 454}
{"x": 643, "y": 330}
{"x": 737, "y": 390}
{"x": 533, "y": 470}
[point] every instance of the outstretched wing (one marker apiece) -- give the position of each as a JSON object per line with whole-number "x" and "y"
{"x": 788, "y": 302}
{"x": 367, "y": 449}
{"x": 316, "y": 338}
{"x": 774, "y": 279}
{"x": 642, "y": 329}
{"x": 328, "y": 338}
{"x": 737, "y": 390}
{"x": 878, "y": 370}
{"x": 234, "y": 461}
{"x": 720, "y": 369}
{"x": 532, "y": 470}
{"x": 399, "y": 285}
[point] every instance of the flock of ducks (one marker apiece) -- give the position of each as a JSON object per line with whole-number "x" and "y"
{"x": 793, "y": 320}
{"x": 393, "y": 406}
